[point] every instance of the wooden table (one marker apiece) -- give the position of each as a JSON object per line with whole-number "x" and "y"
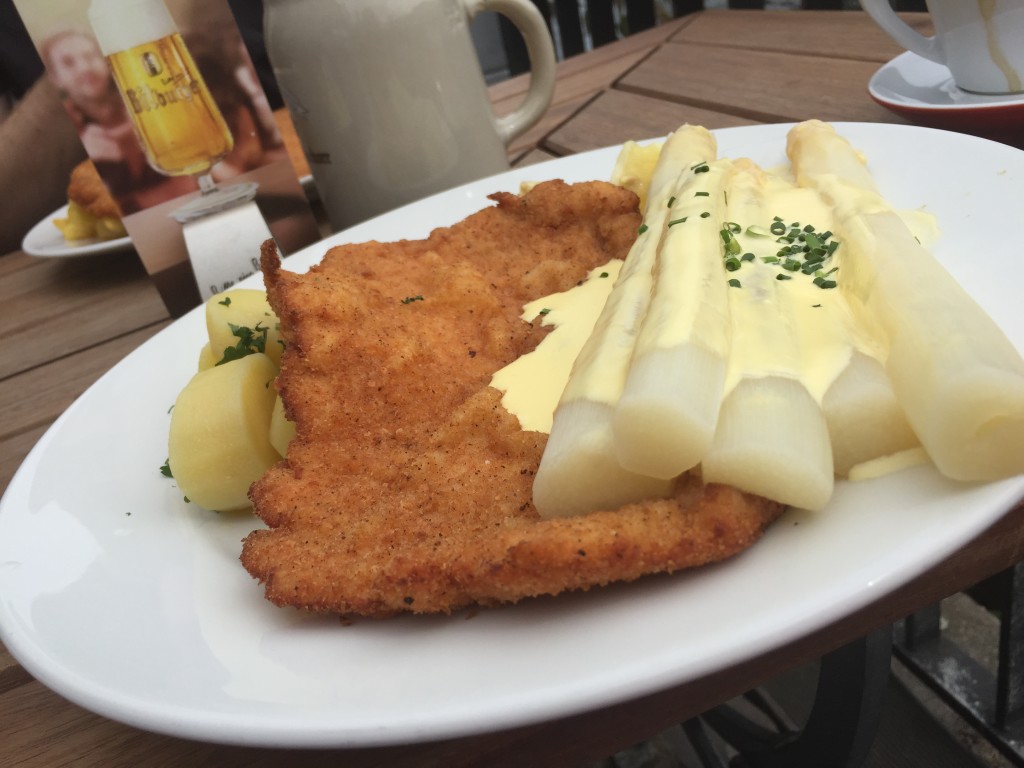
{"x": 64, "y": 323}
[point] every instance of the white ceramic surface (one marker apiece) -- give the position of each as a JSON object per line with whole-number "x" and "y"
{"x": 130, "y": 602}
{"x": 910, "y": 81}
{"x": 388, "y": 99}
{"x": 46, "y": 241}
{"x": 982, "y": 42}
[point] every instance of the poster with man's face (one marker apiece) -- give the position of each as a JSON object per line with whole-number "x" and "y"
{"x": 168, "y": 105}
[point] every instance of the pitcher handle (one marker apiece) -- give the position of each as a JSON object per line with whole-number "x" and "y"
{"x": 885, "y": 17}
{"x": 541, "y": 50}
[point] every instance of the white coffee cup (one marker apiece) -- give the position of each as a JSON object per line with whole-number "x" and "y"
{"x": 981, "y": 42}
{"x": 388, "y": 97}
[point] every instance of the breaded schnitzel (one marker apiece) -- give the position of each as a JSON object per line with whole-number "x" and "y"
{"x": 86, "y": 188}
{"x": 92, "y": 212}
{"x": 408, "y": 486}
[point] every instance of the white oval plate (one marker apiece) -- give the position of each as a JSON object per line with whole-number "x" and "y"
{"x": 46, "y": 241}
{"x": 127, "y": 601}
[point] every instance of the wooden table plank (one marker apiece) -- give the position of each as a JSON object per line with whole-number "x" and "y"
{"x": 578, "y": 79}
{"x": 807, "y": 32}
{"x": 571, "y": 92}
{"x": 12, "y": 674}
{"x": 555, "y": 116}
{"x": 53, "y": 387}
{"x": 763, "y": 85}
{"x": 56, "y": 307}
{"x": 616, "y": 116}
{"x": 14, "y": 449}
{"x": 626, "y": 52}
{"x": 535, "y": 156}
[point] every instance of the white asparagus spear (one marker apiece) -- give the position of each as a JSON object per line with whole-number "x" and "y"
{"x": 665, "y": 419}
{"x": 865, "y": 419}
{"x": 957, "y": 376}
{"x": 578, "y": 472}
{"x": 771, "y": 438}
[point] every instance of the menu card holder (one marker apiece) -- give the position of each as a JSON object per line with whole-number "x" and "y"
{"x": 173, "y": 116}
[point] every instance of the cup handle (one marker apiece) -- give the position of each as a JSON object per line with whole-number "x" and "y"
{"x": 901, "y": 32}
{"x": 541, "y": 50}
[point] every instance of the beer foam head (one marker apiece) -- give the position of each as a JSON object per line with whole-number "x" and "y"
{"x": 123, "y": 24}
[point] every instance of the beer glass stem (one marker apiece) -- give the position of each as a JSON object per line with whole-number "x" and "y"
{"x": 206, "y": 183}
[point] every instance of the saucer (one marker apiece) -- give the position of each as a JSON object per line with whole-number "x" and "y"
{"x": 925, "y": 93}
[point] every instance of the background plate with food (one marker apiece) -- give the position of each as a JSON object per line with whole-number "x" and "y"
{"x": 45, "y": 240}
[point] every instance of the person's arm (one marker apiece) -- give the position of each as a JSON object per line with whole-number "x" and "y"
{"x": 38, "y": 148}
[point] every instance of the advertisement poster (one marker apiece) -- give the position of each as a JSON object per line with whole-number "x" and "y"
{"x": 168, "y": 105}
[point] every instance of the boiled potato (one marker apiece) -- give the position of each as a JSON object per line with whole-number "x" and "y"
{"x": 206, "y": 358}
{"x": 244, "y": 308}
{"x": 219, "y": 436}
{"x": 281, "y": 430}
{"x": 634, "y": 166}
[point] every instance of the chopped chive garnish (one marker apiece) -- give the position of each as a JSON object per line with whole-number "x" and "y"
{"x": 671, "y": 201}
{"x": 782, "y": 276}
{"x": 701, "y": 194}
{"x": 732, "y": 264}
{"x": 734, "y": 282}
{"x": 705, "y": 215}
{"x": 643, "y": 228}
{"x": 677, "y": 221}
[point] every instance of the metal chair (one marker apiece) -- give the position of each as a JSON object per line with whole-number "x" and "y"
{"x": 839, "y": 730}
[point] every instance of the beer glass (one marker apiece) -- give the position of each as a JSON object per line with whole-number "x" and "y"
{"x": 177, "y": 122}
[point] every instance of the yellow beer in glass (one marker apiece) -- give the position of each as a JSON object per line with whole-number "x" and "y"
{"x": 176, "y": 119}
